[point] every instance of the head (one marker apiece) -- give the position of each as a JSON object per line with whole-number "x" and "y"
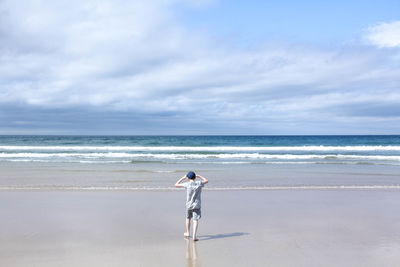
{"x": 191, "y": 175}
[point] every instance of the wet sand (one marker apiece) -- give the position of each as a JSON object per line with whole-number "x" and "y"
{"x": 238, "y": 228}
{"x": 61, "y": 176}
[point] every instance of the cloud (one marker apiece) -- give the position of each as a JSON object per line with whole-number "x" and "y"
{"x": 133, "y": 66}
{"x": 384, "y": 34}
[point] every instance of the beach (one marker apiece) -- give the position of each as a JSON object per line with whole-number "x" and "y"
{"x": 238, "y": 228}
{"x": 271, "y": 200}
{"x": 286, "y": 111}
{"x": 161, "y": 176}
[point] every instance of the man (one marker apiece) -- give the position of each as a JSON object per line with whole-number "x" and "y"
{"x": 193, "y": 200}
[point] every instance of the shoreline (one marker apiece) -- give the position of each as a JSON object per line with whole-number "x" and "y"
{"x": 172, "y": 189}
{"x": 52, "y": 176}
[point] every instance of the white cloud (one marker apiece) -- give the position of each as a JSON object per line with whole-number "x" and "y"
{"x": 135, "y": 57}
{"x": 384, "y": 34}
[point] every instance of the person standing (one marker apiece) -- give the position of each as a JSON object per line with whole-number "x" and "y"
{"x": 193, "y": 200}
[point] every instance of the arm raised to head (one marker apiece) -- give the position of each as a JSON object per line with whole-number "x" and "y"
{"x": 178, "y": 183}
{"x": 202, "y": 178}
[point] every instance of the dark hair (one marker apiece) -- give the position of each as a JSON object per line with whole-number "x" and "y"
{"x": 191, "y": 175}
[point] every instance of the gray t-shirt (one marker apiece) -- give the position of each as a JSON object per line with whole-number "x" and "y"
{"x": 193, "y": 194}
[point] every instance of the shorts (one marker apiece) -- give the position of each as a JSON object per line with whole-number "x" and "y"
{"x": 195, "y": 214}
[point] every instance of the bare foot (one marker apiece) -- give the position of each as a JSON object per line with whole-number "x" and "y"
{"x": 186, "y": 235}
{"x": 195, "y": 239}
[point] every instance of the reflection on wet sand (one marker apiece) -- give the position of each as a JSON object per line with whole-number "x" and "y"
{"x": 192, "y": 259}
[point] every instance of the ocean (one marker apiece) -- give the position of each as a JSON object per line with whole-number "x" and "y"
{"x": 231, "y": 162}
{"x": 376, "y": 150}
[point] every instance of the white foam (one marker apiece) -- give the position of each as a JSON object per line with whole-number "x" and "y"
{"x": 172, "y": 156}
{"x": 205, "y": 148}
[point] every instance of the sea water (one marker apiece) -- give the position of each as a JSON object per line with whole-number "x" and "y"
{"x": 380, "y": 150}
{"x": 232, "y": 162}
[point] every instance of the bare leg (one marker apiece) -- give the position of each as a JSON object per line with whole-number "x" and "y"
{"x": 187, "y": 228}
{"x": 195, "y": 226}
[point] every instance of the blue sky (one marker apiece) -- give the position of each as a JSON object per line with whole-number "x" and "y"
{"x": 320, "y": 22}
{"x": 199, "y": 67}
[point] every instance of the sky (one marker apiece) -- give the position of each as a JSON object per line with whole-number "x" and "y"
{"x": 199, "y": 67}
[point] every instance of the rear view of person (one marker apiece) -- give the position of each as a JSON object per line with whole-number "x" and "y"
{"x": 193, "y": 200}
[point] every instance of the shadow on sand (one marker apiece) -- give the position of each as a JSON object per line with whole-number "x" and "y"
{"x": 217, "y": 236}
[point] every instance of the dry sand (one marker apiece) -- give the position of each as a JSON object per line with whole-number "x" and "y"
{"x": 238, "y": 228}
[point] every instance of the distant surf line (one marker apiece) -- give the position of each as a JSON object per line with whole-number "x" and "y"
{"x": 188, "y": 156}
{"x": 203, "y": 148}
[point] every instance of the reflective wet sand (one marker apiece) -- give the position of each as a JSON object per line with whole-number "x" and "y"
{"x": 64, "y": 176}
{"x": 238, "y": 228}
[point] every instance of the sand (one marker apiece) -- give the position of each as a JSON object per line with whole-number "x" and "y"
{"x": 238, "y": 228}
{"x": 50, "y": 175}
